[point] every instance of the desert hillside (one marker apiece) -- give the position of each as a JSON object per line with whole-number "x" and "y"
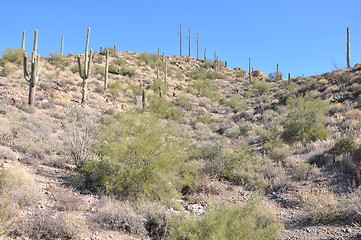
{"x": 177, "y": 148}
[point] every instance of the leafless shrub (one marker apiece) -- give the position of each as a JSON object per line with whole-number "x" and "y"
{"x": 81, "y": 144}
{"x": 276, "y": 178}
{"x": 66, "y": 201}
{"x": 121, "y": 216}
{"x": 49, "y": 225}
{"x": 320, "y": 205}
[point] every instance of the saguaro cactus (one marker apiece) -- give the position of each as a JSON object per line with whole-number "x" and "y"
{"x": 23, "y": 41}
{"x": 85, "y": 72}
{"x": 33, "y": 76}
{"x": 157, "y": 71}
{"x": 189, "y": 42}
{"x": 348, "y": 57}
{"x": 165, "y": 72}
{"x": 143, "y": 100}
{"x": 180, "y": 40}
{"x": 62, "y": 46}
{"x": 249, "y": 69}
{"x": 197, "y": 45}
{"x": 106, "y": 73}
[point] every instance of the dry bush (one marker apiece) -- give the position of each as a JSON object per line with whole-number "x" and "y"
{"x": 82, "y": 142}
{"x": 8, "y": 215}
{"x": 320, "y": 205}
{"x": 66, "y": 201}
{"x": 304, "y": 171}
{"x": 350, "y": 206}
{"x": 7, "y": 153}
{"x": 19, "y": 186}
{"x": 353, "y": 114}
{"x": 120, "y": 216}
{"x": 276, "y": 178}
{"x": 48, "y": 225}
{"x": 356, "y": 163}
{"x": 337, "y": 107}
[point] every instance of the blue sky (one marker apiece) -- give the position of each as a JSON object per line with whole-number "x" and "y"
{"x": 305, "y": 37}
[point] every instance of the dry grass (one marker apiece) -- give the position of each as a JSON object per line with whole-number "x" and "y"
{"x": 320, "y": 205}
{"x": 353, "y": 114}
{"x": 7, "y": 153}
{"x": 19, "y": 186}
{"x": 120, "y": 216}
{"x": 49, "y": 225}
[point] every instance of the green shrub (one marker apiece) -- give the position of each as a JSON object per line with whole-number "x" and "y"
{"x": 149, "y": 59}
{"x": 163, "y": 109}
{"x": 116, "y": 67}
{"x": 275, "y": 75}
{"x": 130, "y": 72}
{"x": 277, "y": 150}
{"x": 159, "y": 84}
{"x": 234, "y": 222}
{"x": 343, "y": 146}
{"x": 140, "y": 157}
{"x": 261, "y": 86}
{"x": 115, "y": 88}
{"x": 240, "y": 73}
{"x": 75, "y": 68}
{"x": 183, "y": 102}
{"x": 201, "y": 74}
{"x": 207, "y": 65}
{"x": 112, "y": 51}
{"x": 236, "y": 102}
{"x": 14, "y": 56}
{"x": 304, "y": 120}
{"x": 235, "y": 165}
{"x": 58, "y": 60}
{"x": 207, "y": 89}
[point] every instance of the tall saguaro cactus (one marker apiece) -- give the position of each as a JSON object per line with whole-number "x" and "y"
{"x": 62, "y": 46}
{"x": 85, "y": 72}
{"x": 348, "y": 57}
{"x": 166, "y": 72}
{"x": 180, "y": 40}
{"x": 33, "y": 76}
{"x": 143, "y": 100}
{"x": 106, "y": 74}
{"x": 249, "y": 69}
{"x": 189, "y": 42}
{"x": 197, "y": 45}
{"x": 23, "y": 41}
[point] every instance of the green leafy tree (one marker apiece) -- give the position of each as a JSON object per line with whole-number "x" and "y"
{"x": 305, "y": 119}
{"x": 140, "y": 157}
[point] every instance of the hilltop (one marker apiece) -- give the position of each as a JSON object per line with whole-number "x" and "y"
{"x": 289, "y": 147}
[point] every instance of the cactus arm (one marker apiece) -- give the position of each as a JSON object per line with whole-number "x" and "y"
{"x": 26, "y": 73}
{"x": 89, "y": 63}
{"x": 35, "y": 49}
{"x": 37, "y": 68}
{"x": 80, "y": 69}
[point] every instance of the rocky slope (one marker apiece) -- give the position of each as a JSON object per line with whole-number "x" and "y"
{"x": 219, "y": 108}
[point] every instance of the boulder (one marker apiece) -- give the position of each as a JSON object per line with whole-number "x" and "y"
{"x": 259, "y": 74}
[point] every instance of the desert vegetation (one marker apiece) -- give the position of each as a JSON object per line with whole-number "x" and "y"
{"x": 123, "y": 145}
